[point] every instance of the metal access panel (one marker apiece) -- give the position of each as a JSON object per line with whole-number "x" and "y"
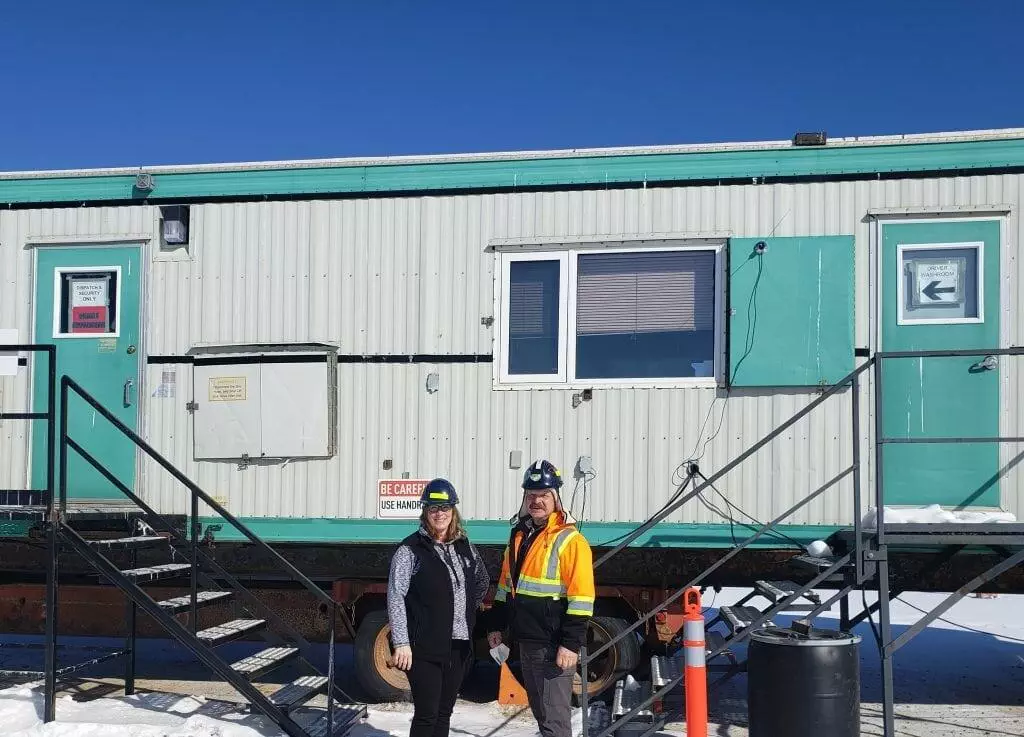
{"x": 227, "y": 411}
{"x": 298, "y": 408}
{"x": 268, "y": 402}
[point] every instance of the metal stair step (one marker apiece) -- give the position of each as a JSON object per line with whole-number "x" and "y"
{"x": 346, "y": 716}
{"x": 779, "y": 590}
{"x": 228, "y": 631}
{"x": 740, "y": 617}
{"x": 298, "y": 691}
{"x": 815, "y": 564}
{"x": 628, "y": 698}
{"x": 184, "y": 603}
{"x": 157, "y": 573}
{"x": 264, "y": 661}
{"x": 128, "y": 543}
{"x": 712, "y": 641}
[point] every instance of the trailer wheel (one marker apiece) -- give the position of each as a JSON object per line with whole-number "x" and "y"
{"x": 372, "y": 653}
{"x": 615, "y": 663}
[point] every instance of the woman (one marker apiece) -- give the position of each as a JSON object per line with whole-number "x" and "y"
{"x": 435, "y": 588}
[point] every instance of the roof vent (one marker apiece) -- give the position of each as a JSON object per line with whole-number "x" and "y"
{"x": 810, "y": 139}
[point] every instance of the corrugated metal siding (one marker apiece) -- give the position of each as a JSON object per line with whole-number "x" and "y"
{"x": 411, "y": 275}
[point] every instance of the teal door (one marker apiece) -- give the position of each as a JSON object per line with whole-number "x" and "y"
{"x": 940, "y": 291}
{"x": 87, "y": 303}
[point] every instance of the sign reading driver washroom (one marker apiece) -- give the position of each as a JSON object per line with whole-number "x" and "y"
{"x": 938, "y": 282}
{"x": 399, "y": 498}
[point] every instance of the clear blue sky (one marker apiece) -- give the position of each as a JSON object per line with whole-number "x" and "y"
{"x": 112, "y": 83}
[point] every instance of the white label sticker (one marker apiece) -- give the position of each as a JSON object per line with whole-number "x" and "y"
{"x": 88, "y": 292}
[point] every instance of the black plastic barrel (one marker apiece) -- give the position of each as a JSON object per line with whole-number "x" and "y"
{"x": 803, "y": 685}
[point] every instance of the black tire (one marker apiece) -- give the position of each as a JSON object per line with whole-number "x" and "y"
{"x": 372, "y": 650}
{"x": 621, "y": 659}
{"x": 617, "y": 662}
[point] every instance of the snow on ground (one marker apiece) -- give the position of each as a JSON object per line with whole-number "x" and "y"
{"x": 963, "y": 676}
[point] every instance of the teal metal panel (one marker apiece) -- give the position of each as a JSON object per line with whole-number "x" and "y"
{"x": 524, "y": 173}
{"x": 940, "y": 397}
{"x": 791, "y": 310}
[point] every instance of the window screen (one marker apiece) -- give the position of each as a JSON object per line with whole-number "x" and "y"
{"x": 645, "y": 315}
{"x": 533, "y": 317}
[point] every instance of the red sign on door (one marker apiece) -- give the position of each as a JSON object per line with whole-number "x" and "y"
{"x": 91, "y": 319}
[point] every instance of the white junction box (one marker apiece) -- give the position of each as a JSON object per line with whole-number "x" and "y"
{"x": 264, "y": 402}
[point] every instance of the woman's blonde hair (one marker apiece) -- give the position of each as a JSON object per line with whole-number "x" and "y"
{"x": 455, "y": 529}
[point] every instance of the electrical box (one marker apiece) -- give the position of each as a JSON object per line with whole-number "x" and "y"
{"x": 274, "y": 402}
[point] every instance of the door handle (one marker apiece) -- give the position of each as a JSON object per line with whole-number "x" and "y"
{"x": 128, "y": 392}
{"x": 989, "y": 363}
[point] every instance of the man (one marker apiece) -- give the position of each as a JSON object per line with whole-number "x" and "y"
{"x": 545, "y": 597}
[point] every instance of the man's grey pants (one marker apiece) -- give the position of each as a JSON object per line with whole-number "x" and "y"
{"x": 548, "y": 687}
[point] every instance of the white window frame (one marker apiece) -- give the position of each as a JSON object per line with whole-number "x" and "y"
{"x": 979, "y": 272}
{"x": 58, "y": 274}
{"x": 568, "y": 260}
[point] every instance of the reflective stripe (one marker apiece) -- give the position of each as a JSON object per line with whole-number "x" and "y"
{"x": 694, "y": 656}
{"x": 540, "y": 588}
{"x": 501, "y": 595}
{"x": 693, "y": 630}
{"x": 581, "y": 607}
{"x": 560, "y": 542}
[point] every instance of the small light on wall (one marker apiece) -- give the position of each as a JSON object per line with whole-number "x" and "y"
{"x": 174, "y": 225}
{"x": 433, "y": 382}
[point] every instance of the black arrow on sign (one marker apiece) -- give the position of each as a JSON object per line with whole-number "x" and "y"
{"x": 933, "y": 290}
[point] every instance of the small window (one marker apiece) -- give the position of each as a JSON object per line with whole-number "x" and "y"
{"x": 598, "y": 315}
{"x": 940, "y": 283}
{"x": 533, "y": 317}
{"x": 86, "y": 302}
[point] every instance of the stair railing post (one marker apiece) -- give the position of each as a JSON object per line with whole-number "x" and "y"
{"x": 330, "y": 668}
{"x": 194, "y": 525}
{"x": 129, "y": 672}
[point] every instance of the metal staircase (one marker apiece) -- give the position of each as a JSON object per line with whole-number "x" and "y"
{"x": 861, "y": 561}
{"x": 172, "y": 552}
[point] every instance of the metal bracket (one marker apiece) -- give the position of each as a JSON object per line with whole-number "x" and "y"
{"x": 244, "y": 463}
{"x": 192, "y": 406}
{"x": 877, "y": 555}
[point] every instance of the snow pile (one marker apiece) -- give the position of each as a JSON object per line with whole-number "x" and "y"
{"x": 147, "y": 715}
{"x": 934, "y": 514}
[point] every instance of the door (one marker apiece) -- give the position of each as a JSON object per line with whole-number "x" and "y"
{"x": 940, "y": 291}
{"x": 87, "y": 303}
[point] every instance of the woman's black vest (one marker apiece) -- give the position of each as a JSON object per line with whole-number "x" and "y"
{"x": 430, "y": 603}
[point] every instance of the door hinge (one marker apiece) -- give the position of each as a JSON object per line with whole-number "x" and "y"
{"x": 192, "y": 406}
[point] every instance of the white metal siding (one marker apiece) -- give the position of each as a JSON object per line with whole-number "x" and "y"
{"x": 412, "y": 276}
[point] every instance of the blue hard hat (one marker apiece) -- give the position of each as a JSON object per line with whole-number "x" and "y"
{"x": 542, "y": 475}
{"x": 439, "y": 491}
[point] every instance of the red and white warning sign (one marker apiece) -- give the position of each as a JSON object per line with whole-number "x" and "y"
{"x": 399, "y": 498}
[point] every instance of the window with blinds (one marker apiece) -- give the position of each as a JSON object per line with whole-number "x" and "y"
{"x": 645, "y": 315}
{"x": 533, "y": 317}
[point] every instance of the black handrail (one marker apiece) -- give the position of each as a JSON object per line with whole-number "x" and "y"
{"x": 67, "y": 382}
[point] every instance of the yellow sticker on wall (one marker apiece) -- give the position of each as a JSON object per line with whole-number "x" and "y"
{"x": 227, "y": 389}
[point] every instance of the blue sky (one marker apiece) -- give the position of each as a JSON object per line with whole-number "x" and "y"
{"x": 113, "y": 83}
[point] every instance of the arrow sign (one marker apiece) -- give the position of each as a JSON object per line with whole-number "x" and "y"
{"x": 933, "y": 291}
{"x": 939, "y": 282}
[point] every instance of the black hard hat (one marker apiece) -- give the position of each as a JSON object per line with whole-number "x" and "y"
{"x": 542, "y": 475}
{"x": 439, "y": 491}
